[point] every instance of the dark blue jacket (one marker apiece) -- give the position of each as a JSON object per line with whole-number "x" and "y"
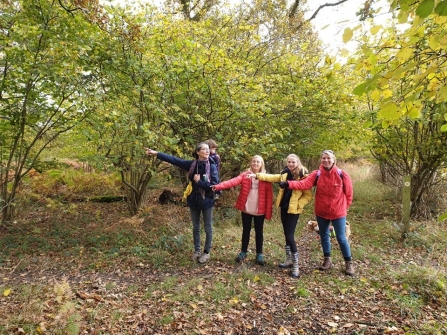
{"x": 195, "y": 199}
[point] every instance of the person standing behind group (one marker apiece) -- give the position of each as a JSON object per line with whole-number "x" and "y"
{"x": 213, "y": 152}
{"x": 255, "y": 201}
{"x": 291, "y": 204}
{"x": 202, "y": 173}
{"x": 333, "y": 197}
{"x": 216, "y": 158}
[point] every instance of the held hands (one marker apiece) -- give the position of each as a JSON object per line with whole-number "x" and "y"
{"x": 150, "y": 152}
{"x": 251, "y": 175}
{"x": 284, "y": 184}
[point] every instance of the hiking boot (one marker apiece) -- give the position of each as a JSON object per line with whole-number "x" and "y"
{"x": 349, "y": 268}
{"x": 204, "y": 258}
{"x": 288, "y": 263}
{"x": 295, "y": 269}
{"x": 241, "y": 257}
{"x": 195, "y": 256}
{"x": 260, "y": 259}
{"x": 327, "y": 264}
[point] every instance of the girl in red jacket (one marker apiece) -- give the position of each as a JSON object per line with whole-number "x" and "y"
{"x": 255, "y": 201}
{"x": 333, "y": 196}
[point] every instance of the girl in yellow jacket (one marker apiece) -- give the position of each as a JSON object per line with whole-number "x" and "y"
{"x": 291, "y": 204}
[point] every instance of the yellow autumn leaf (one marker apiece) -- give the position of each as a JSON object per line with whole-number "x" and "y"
{"x": 389, "y": 111}
{"x": 200, "y": 287}
{"x": 194, "y": 306}
{"x": 234, "y": 301}
{"x": 6, "y": 292}
{"x": 443, "y": 40}
{"x": 434, "y": 42}
{"x": 414, "y": 113}
{"x": 256, "y": 279}
{"x": 375, "y": 95}
{"x": 441, "y": 95}
{"x": 387, "y": 93}
{"x": 347, "y": 35}
{"x": 375, "y": 29}
{"x": 404, "y": 54}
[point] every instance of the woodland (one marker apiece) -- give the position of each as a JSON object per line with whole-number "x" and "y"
{"x": 89, "y": 246}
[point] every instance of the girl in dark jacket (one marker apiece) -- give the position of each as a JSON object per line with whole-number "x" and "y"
{"x": 200, "y": 197}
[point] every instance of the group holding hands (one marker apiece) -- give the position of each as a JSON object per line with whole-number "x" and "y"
{"x": 333, "y": 196}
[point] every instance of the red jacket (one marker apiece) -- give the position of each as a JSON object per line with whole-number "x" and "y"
{"x": 265, "y": 193}
{"x": 333, "y": 194}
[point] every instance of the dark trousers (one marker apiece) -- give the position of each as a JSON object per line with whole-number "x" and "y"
{"x": 289, "y": 223}
{"x": 259, "y": 231}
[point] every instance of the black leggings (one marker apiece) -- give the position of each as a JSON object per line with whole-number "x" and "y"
{"x": 289, "y": 223}
{"x": 259, "y": 231}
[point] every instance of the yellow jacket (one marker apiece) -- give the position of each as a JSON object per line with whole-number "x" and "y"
{"x": 299, "y": 198}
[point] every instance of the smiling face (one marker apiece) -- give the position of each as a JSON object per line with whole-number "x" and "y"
{"x": 256, "y": 164}
{"x": 327, "y": 159}
{"x": 292, "y": 162}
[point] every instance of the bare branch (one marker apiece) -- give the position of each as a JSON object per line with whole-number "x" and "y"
{"x": 325, "y": 5}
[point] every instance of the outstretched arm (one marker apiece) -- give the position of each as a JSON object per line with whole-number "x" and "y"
{"x": 150, "y": 152}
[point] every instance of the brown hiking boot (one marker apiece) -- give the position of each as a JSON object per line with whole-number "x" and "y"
{"x": 327, "y": 264}
{"x": 349, "y": 268}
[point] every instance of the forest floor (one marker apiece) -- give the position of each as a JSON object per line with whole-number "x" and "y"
{"x": 85, "y": 269}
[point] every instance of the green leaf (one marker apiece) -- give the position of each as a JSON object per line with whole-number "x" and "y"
{"x": 441, "y": 8}
{"x": 444, "y": 128}
{"x": 359, "y": 90}
{"x": 425, "y": 8}
{"x": 442, "y": 217}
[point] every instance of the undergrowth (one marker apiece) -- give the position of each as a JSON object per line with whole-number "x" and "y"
{"x": 410, "y": 274}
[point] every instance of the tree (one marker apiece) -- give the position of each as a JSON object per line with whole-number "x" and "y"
{"x": 407, "y": 87}
{"x": 45, "y": 84}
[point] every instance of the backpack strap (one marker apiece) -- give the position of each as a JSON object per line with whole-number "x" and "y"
{"x": 340, "y": 173}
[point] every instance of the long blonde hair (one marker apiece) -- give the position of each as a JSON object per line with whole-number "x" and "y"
{"x": 262, "y": 169}
{"x": 299, "y": 168}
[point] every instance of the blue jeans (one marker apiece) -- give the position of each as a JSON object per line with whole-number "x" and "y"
{"x": 208, "y": 225}
{"x": 340, "y": 231}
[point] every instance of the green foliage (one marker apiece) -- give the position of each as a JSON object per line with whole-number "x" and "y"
{"x": 45, "y": 84}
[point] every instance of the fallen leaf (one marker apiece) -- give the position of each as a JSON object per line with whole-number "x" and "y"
{"x": 234, "y": 301}
{"x": 6, "y": 292}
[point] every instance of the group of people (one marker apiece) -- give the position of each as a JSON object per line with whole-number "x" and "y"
{"x": 333, "y": 196}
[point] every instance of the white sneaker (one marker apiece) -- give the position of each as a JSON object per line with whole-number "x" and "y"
{"x": 204, "y": 258}
{"x": 196, "y": 255}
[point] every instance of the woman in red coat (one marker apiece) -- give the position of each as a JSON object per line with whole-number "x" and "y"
{"x": 255, "y": 201}
{"x": 333, "y": 196}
